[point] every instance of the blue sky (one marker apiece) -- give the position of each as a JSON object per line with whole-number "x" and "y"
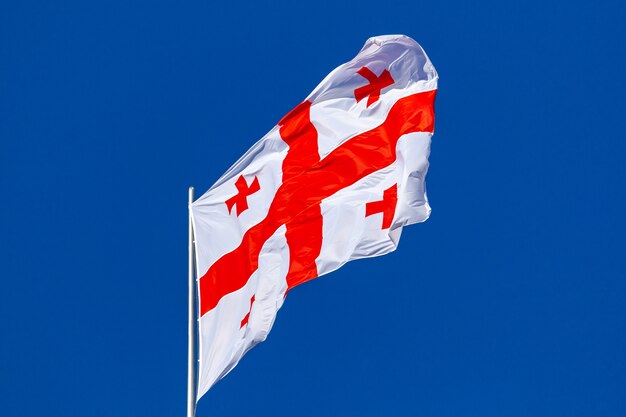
{"x": 509, "y": 301}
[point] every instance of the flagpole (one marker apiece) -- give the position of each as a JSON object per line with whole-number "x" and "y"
{"x": 191, "y": 316}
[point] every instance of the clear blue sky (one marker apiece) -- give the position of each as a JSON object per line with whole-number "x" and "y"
{"x": 510, "y": 301}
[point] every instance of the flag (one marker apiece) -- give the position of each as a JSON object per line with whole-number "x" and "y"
{"x": 335, "y": 180}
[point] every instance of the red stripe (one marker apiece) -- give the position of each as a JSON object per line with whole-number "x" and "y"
{"x": 304, "y": 233}
{"x": 247, "y": 316}
{"x": 305, "y": 186}
{"x": 304, "y": 236}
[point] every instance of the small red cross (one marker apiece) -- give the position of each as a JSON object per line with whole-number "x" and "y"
{"x": 376, "y": 83}
{"x": 245, "y": 319}
{"x": 387, "y": 206}
{"x": 241, "y": 198}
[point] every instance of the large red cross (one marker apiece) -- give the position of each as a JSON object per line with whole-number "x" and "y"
{"x": 387, "y": 206}
{"x": 243, "y": 191}
{"x": 307, "y": 180}
{"x": 376, "y": 83}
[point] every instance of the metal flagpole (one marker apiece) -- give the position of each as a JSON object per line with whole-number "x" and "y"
{"x": 191, "y": 341}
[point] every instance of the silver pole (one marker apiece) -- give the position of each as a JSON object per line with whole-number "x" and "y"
{"x": 191, "y": 330}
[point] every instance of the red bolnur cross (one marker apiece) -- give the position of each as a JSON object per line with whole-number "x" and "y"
{"x": 376, "y": 84}
{"x": 387, "y": 206}
{"x": 241, "y": 198}
{"x": 307, "y": 181}
{"x": 247, "y": 317}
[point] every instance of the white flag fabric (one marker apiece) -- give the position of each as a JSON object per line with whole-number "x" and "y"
{"x": 335, "y": 180}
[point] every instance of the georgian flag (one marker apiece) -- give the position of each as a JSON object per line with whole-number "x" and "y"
{"x": 335, "y": 180}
